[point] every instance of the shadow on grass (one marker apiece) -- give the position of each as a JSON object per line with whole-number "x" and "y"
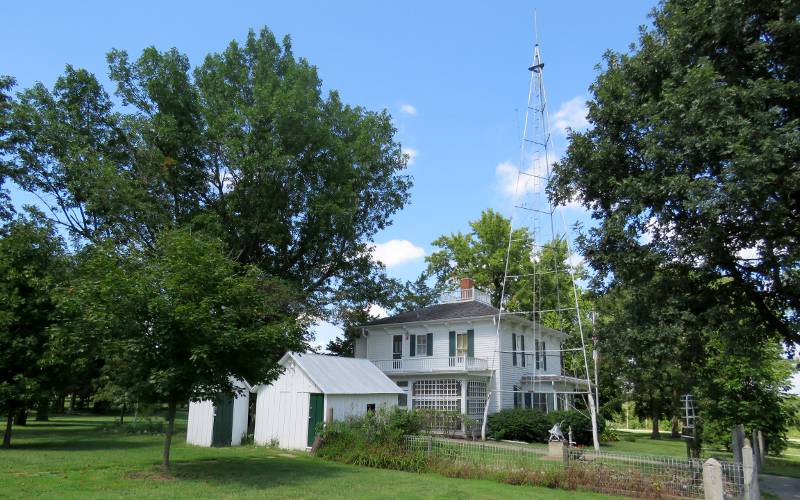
{"x": 256, "y": 472}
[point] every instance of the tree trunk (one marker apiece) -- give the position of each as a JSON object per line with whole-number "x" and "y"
{"x": 655, "y": 434}
{"x": 43, "y": 410}
{"x": 7, "y": 435}
{"x": 675, "y": 421}
{"x": 61, "y": 403}
{"x": 21, "y": 417}
{"x": 173, "y": 405}
{"x": 71, "y": 404}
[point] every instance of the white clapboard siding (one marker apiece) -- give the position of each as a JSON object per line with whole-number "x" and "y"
{"x": 241, "y": 408}
{"x": 355, "y": 405}
{"x": 282, "y": 410}
{"x": 200, "y": 426}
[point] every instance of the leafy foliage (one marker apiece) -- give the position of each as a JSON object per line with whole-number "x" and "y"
{"x": 693, "y": 154}
{"x": 32, "y": 264}
{"x": 244, "y": 145}
{"x": 529, "y": 425}
{"x": 191, "y": 317}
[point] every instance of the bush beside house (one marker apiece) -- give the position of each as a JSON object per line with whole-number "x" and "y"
{"x": 524, "y": 424}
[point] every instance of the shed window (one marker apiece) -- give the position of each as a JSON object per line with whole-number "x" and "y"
{"x": 370, "y": 407}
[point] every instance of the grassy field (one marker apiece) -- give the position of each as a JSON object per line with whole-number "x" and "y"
{"x": 70, "y": 457}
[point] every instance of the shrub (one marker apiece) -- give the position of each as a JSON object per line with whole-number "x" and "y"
{"x": 580, "y": 423}
{"x": 523, "y": 424}
{"x": 520, "y": 424}
{"x": 146, "y": 426}
{"x": 374, "y": 440}
{"x": 609, "y": 435}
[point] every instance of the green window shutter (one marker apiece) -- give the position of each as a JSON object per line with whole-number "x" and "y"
{"x": 471, "y": 343}
{"x": 522, "y": 348}
{"x": 413, "y": 347}
{"x": 430, "y": 344}
{"x": 514, "y": 349}
{"x": 452, "y": 344}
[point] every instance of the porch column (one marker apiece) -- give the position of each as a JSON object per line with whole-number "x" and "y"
{"x": 464, "y": 397}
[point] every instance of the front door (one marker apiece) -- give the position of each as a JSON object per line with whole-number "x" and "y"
{"x": 223, "y": 421}
{"x": 315, "y": 411}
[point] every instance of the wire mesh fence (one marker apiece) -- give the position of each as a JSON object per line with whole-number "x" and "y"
{"x": 608, "y": 472}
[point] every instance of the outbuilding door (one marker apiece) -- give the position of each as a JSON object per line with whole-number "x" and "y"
{"x": 223, "y": 421}
{"x": 315, "y": 411}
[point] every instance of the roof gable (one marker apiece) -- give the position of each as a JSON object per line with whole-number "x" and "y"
{"x": 337, "y": 375}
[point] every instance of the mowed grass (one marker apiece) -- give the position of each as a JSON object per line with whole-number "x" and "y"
{"x": 70, "y": 457}
{"x": 788, "y": 464}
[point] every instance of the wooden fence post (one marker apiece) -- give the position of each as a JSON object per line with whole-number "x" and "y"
{"x": 712, "y": 480}
{"x": 763, "y": 452}
{"x": 565, "y": 450}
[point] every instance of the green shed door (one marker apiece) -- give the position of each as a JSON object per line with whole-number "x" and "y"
{"x": 223, "y": 421}
{"x": 315, "y": 414}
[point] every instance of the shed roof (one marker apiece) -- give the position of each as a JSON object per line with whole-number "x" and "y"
{"x": 337, "y": 375}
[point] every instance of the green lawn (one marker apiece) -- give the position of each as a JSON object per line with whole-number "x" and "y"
{"x": 70, "y": 457}
{"x": 787, "y": 464}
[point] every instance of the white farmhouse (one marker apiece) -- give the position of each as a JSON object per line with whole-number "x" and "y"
{"x": 313, "y": 388}
{"x": 449, "y": 356}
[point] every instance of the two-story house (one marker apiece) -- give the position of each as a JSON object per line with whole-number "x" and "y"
{"x": 452, "y": 356}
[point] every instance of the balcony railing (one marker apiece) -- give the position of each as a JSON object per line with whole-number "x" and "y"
{"x": 429, "y": 364}
{"x": 465, "y": 295}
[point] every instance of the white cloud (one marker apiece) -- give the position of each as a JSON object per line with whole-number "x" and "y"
{"x": 571, "y": 115}
{"x": 750, "y": 253}
{"x": 395, "y": 252}
{"x": 513, "y": 183}
{"x": 408, "y": 109}
{"x": 412, "y": 155}
{"x": 575, "y": 260}
{"x": 376, "y": 310}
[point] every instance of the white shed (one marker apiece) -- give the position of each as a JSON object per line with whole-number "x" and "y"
{"x": 288, "y": 410}
{"x": 222, "y": 422}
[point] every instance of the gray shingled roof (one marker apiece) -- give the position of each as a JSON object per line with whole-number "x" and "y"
{"x": 468, "y": 309}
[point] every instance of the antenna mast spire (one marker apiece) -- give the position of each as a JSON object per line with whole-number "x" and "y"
{"x": 551, "y": 285}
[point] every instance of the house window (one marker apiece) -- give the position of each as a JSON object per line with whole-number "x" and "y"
{"x": 527, "y": 399}
{"x": 476, "y": 399}
{"x": 461, "y": 345}
{"x": 522, "y": 348}
{"x": 402, "y": 383}
{"x": 517, "y": 397}
{"x": 422, "y": 345}
{"x": 541, "y": 356}
{"x": 436, "y": 388}
{"x": 402, "y": 400}
{"x": 514, "y": 350}
{"x": 539, "y": 401}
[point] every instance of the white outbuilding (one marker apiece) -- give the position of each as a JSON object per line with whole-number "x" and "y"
{"x": 312, "y": 387}
{"x": 221, "y": 422}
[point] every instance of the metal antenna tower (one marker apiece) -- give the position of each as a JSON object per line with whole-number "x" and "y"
{"x": 551, "y": 284}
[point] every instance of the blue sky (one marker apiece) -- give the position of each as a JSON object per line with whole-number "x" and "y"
{"x": 452, "y": 74}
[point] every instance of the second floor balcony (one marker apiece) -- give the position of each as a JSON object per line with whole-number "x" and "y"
{"x": 430, "y": 364}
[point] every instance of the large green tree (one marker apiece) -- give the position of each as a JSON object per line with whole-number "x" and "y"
{"x": 693, "y": 153}
{"x": 32, "y": 263}
{"x": 245, "y": 145}
{"x": 182, "y": 320}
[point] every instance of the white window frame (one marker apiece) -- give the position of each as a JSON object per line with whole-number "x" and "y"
{"x": 462, "y": 336}
{"x": 424, "y": 350}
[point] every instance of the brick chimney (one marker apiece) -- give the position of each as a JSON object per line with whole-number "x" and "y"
{"x": 467, "y": 287}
